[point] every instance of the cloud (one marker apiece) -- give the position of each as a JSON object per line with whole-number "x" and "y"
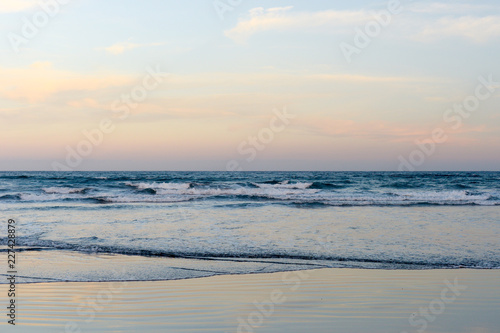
{"x": 478, "y": 330}
{"x": 420, "y": 22}
{"x": 448, "y": 8}
{"x": 366, "y": 78}
{"x": 336, "y": 127}
{"x": 159, "y": 108}
{"x": 40, "y": 80}
{"x": 476, "y": 29}
{"x": 88, "y": 103}
{"x": 281, "y": 18}
{"x": 10, "y": 6}
{"x": 119, "y": 48}
{"x": 222, "y": 94}
{"x": 385, "y": 130}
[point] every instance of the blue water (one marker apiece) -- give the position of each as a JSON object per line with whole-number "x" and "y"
{"x": 285, "y": 188}
{"x": 253, "y": 221}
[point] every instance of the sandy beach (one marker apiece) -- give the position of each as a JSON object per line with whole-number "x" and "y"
{"x": 323, "y": 300}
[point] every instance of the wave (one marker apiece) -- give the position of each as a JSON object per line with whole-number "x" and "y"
{"x": 15, "y": 176}
{"x": 11, "y": 197}
{"x": 160, "y": 186}
{"x": 99, "y": 200}
{"x": 294, "y": 194}
{"x": 65, "y": 190}
{"x": 389, "y": 262}
{"x": 402, "y": 185}
{"x": 461, "y": 186}
{"x": 284, "y": 185}
{"x": 327, "y": 186}
{"x": 294, "y": 188}
{"x": 148, "y": 191}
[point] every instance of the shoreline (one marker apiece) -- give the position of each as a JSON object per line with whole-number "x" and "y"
{"x": 250, "y": 273}
{"x": 72, "y": 266}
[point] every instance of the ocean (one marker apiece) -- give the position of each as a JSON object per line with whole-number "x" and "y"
{"x": 103, "y": 226}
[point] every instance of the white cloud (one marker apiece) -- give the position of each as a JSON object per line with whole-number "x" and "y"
{"x": 476, "y": 29}
{"x": 282, "y": 18}
{"x": 9, "y": 6}
{"x": 448, "y": 8}
{"x": 119, "y": 48}
{"x": 418, "y": 22}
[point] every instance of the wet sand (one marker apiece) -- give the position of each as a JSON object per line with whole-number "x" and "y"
{"x": 323, "y": 300}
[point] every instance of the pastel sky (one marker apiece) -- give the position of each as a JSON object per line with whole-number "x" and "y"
{"x": 231, "y": 67}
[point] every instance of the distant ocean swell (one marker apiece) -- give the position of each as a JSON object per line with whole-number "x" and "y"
{"x": 282, "y": 192}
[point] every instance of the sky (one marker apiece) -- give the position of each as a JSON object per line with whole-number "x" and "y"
{"x": 249, "y": 85}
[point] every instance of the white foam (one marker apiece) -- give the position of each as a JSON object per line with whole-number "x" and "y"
{"x": 297, "y": 193}
{"x": 161, "y": 186}
{"x": 62, "y": 190}
{"x": 41, "y": 197}
{"x": 286, "y": 184}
